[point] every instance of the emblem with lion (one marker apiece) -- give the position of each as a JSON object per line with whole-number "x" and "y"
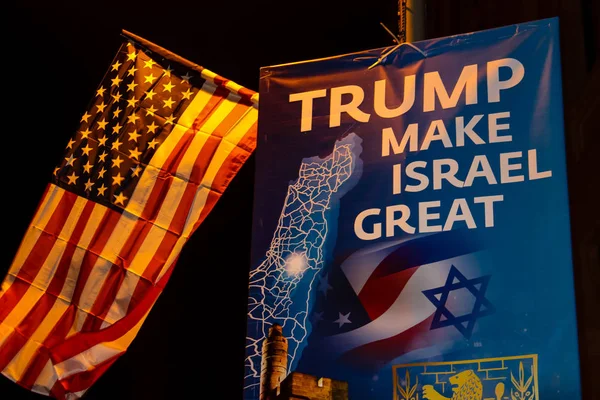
{"x": 465, "y": 386}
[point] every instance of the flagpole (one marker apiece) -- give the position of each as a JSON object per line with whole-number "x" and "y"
{"x": 411, "y": 17}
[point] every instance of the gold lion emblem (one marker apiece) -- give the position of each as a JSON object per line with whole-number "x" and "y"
{"x": 465, "y": 386}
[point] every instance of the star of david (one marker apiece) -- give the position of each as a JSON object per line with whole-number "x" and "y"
{"x": 464, "y": 323}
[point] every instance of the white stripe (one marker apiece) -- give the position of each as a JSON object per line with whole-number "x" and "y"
{"x": 46, "y": 380}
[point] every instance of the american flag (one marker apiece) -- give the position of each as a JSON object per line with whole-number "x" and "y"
{"x": 157, "y": 146}
{"x": 371, "y": 309}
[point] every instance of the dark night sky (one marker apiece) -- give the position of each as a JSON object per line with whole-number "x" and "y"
{"x": 54, "y": 58}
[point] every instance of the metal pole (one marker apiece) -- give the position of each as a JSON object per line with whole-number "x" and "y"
{"x": 411, "y": 20}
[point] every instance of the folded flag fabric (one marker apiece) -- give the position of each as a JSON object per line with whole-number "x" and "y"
{"x": 156, "y": 147}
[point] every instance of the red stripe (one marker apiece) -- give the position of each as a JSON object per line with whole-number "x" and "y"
{"x": 58, "y": 392}
{"x": 35, "y": 317}
{"x": 83, "y": 380}
{"x": 246, "y": 93}
{"x": 374, "y": 355}
{"x": 220, "y": 81}
{"x": 36, "y": 258}
{"x": 379, "y": 293}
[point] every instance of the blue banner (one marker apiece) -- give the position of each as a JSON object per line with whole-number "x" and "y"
{"x": 411, "y": 234}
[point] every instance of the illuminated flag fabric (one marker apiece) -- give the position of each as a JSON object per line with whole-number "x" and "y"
{"x": 157, "y": 146}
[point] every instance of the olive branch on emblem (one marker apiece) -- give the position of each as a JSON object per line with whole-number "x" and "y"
{"x": 408, "y": 391}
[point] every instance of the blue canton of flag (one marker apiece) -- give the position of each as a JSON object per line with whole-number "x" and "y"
{"x": 134, "y": 109}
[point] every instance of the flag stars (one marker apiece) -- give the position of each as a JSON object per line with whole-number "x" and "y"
{"x": 342, "y": 319}
{"x": 72, "y": 178}
{"x": 85, "y": 117}
{"x": 132, "y": 118}
{"x": 70, "y": 160}
{"x": 120, "y": 199}
{"x": 131, "y": 56}
{"x": 152, "y": 144}
{"x": 150, "y": 94}
{"x": 186, "y": 77}
{"x": 131, "y": 71}
{"x": 117, "y": 112}
{"x": 87, "y": 167}
{"x": 85, "y": 133}
{"x": 132, "y": 102}
{"x": 134, "y": 153}
{"x": 117, "y": 179}
{"x": 86, "y": 150}
{"x": 149, "y": 78}
{"x": 102, "y": 141}
{"x": 133, "y": 135}
{"x": 324, "y": 285}
{"x": 116, "y": 144}
{"x": 317, "y": 317}
{"x": 168, "y": 103}
{"x": 170, "y": 119}
{"x": 102, "y": 124}
{"x": 101, "y": 190}
{"x": 187, "y": 94}
{"x": 88, "y": 185}
{"x": 101, "y": 107}
{"x": 149, "y": 64}
{"x": 100, "y": 92}
{"x": 152, "y": 127}
{"x": 70, "y": 144}
{"x": 102, "y": 156}
{"x": 101, "y": 173}
{"x": 117, "y": 128}
{"x": 117, "y": 162}
{"x": 168, "y": 86}
{"x": 168, "y": 71}
{"x": 116, "y": 96}
{"x": 131, "y": 86}
{"x": 151, "y": 110}
{"x": 116, "y": 81}
{"x": 115, "y": 66}
{"x": 136, "y": 171}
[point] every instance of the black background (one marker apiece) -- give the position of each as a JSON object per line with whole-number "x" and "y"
{"x": 55, "y": 54}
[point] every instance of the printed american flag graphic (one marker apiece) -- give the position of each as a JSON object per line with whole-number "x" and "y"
{"x": 157, "y": 146}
